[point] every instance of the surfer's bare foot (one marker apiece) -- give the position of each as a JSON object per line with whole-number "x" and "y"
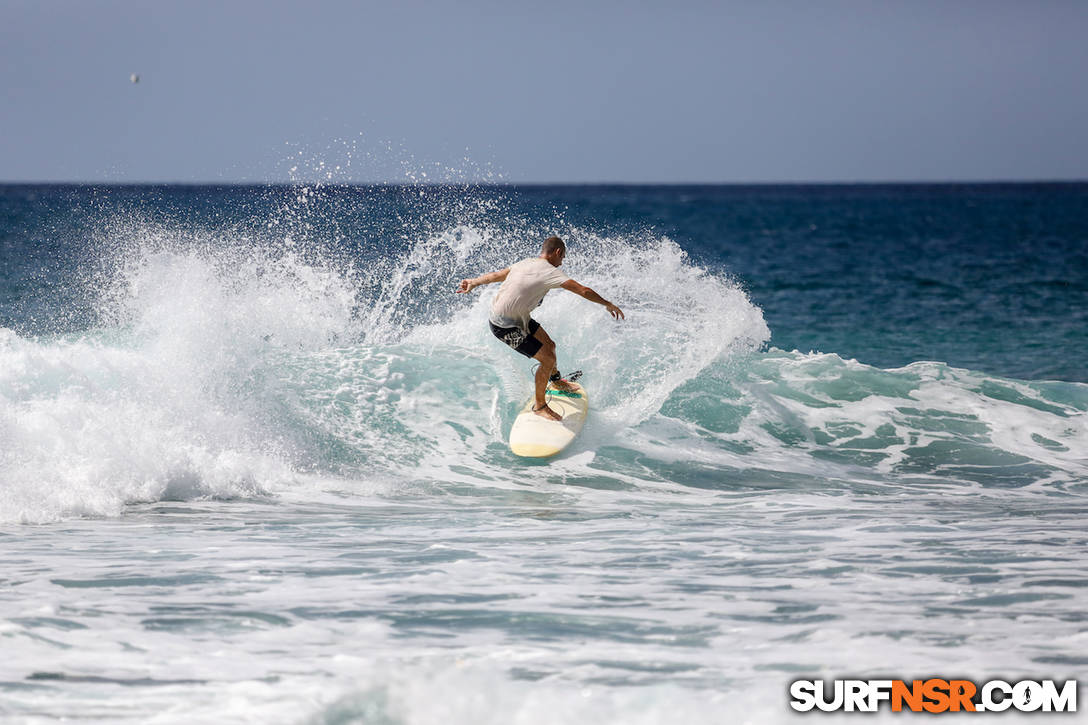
{"x": 545, "y": 412}
{"x": 562, "y": 385}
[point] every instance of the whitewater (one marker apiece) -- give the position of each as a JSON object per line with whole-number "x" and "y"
{"x": 262, "y": 476}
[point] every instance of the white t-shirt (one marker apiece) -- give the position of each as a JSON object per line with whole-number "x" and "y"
{"x": 523, "y": 290}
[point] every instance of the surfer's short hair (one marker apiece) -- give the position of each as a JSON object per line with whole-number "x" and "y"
{"x": 551, "y": 244}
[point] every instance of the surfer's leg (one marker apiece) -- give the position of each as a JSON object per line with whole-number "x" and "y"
{"x": 538, "y": 346}
{"x": 546, "y": 357}
{"x": 546, "y": 343}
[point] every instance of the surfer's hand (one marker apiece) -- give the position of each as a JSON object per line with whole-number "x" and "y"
{"x": 467, "y": 285}
{"x": 616, "y": 312}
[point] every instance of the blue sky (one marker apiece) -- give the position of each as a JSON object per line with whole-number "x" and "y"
{"x": 543, "y": 91}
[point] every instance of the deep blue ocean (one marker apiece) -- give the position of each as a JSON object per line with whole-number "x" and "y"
{"x": 253, "y": 463}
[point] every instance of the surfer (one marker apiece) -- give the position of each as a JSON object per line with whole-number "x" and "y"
{"x": 524, "y": 285}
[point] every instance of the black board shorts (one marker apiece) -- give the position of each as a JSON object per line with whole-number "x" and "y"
{"x": 527, "y": 345}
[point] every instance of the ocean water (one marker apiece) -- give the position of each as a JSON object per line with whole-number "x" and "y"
{"x": 253, "y": 463}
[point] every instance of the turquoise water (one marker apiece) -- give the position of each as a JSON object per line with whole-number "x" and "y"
{"x": 253, "y": 461}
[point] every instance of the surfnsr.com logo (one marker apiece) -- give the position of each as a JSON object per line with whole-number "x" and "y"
{"x": 933, "y": 695}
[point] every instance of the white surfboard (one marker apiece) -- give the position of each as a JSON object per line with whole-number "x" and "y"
{"x": 534, "y": 436}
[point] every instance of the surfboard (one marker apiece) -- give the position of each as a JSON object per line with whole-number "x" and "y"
{"x": 535, "y": 437}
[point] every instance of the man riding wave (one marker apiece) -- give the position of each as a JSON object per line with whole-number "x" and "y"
{"x": 524, "y": 285}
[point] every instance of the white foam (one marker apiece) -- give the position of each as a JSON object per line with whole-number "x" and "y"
{"x": 167, "y": 401}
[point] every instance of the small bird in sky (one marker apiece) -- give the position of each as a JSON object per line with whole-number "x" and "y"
{"x": 135, "y": 77}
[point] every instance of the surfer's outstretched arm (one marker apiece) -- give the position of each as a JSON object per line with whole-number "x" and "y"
{"x": 467, "y": 285}
{"x": 580, "y": 289}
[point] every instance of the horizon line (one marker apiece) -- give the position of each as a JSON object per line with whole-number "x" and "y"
{"x": 479, "y": 183}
